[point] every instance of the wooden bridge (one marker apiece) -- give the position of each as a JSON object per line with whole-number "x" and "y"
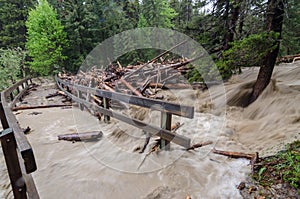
{"x": 18, "y": 152}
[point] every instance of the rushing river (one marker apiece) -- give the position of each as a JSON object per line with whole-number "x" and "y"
{"x": 109, "y": 168}
{"x": 113, "y": 168}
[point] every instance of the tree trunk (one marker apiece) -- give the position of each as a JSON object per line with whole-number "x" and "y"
{"x": 274, "y": 22}
{"x": 235, "y": 12}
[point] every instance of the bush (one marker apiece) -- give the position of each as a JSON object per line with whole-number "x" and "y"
{"x": 12, "y": 66}
{"x": 250, "y": 51}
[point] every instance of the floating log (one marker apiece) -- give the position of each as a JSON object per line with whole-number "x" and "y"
{"x": 88, "y": 136}
{"x": 253, "y": 157}
{"x": 155, "y": 148}
{"x": 148, "y": 136}
{"x": 231, "y": 154}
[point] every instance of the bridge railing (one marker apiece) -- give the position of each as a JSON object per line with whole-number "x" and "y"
{"x": 17, "y": 150}
{"x": 81, "y": 94}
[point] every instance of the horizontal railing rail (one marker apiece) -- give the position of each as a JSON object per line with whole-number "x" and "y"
{"x": 172, "y": 108}
{"x": 166, "y": 108}
{"x": 17, "y": 150}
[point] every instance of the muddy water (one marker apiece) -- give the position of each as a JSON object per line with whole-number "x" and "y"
{"x": 112, "y": 168}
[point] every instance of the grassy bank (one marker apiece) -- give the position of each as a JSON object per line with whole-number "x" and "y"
{"x": 281, "y": 170}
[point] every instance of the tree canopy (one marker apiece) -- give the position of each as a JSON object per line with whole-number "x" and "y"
{"x": 60, "y": 34}
{"x": 46, "y": 39}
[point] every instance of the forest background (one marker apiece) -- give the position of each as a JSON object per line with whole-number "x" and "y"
{"x": 45, "y": 37}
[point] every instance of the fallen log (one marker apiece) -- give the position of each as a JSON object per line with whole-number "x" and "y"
{"x": 40, "y": 106}
{"x": 155, "y": 148}
{"x": 135, "y": 91}
{"x": 234, "y": 154}
{"x": 288, "y": 58}
{"x": 148, "y": 136}
{"x": 195, "y": 146}
{"x": 52, "y": 95}
{"x": 253, "y": 157}
{"x": 88, "y": 136}
{"x": 155, "y": 58}
{"x": 105, "y": 86}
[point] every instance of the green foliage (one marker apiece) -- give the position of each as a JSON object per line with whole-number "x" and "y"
{"x": 13, "y": 15}
{"x": 290, "y": 166}
{"x": 89, "y": 22}
{"x": 284, "y": 166}
{"x": 46, "y": 39}
{"x": 157, "y": 13}
{"x": 290, "y": 43}
{"x": 11, "y": 66}
{"x": 81, "y": 25}
{"x": 205, "y": 70}
{"x": 245, "y": 53}
{"x": 142, "y": 21}
{"x": 250, "y": 51}
{"x": 260, "y": 172}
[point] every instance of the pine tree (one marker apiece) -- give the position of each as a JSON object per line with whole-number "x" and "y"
{"x": 274, "y": 21}
{"x": 81, "y": 25}
{"x": 46, "y": 39}
{"x": 13, "y": 15}
{"x": 291, "y": 29}
{"x": 158, "y": 13}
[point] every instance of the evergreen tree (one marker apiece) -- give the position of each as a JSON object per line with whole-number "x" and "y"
{"x": 158, "y": 13}
{"x": 13, "y": 15}
{"x": 274, "y": 21}
{"x": 81, "y": 25}
{"x": 291, "y": 29}
{"x": 46, "y": 39}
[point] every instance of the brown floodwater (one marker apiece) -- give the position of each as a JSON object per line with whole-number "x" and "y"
{"x": 112, "y": 168}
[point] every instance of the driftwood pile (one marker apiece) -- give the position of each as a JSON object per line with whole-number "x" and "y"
{"x": 140, "y": 80}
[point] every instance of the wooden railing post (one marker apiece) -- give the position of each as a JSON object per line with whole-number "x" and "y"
{"x": 106, "y": 106}
{"x": 18, "y": 89}
{"x": 26, "y": 83}
{"x": 8, "y": 143}
{"x": 79, "y": 95}
{"x": 167, "y": 109}
{"x": 166, "y": 120}
{"x": 11, "y": 95}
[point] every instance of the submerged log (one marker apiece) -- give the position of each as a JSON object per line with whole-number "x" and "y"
{"x": 26, "y": 130}
{"x": 88, "y": 136}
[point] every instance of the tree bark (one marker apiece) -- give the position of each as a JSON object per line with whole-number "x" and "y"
{"x": 235, "y": 12}
{"x": 274, "y": 21}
